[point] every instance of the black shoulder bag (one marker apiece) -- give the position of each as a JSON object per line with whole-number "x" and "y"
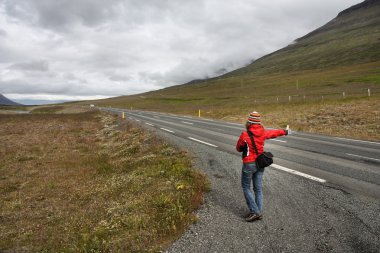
{"x": 263, "y": 160}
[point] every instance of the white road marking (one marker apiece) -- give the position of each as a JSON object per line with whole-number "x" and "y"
{"x": 149, "y": 124}
{"x": 156, "y": 117}
{"x": 167, "y": 130}
{"x": 378, "y": 143}
{"x": 137, "y": 120}
{"x": 209, "y": 144}
{"x": 189, "y": 123}
{"x": 278, "y": 140}
{"x": 363, "y": 157}
{"x": 279, "y": 167}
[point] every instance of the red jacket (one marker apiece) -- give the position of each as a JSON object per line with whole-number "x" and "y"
{"x": 260, "y": 135}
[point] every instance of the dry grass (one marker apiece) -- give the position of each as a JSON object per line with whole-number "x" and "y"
{"x": 83, "y": 183}
{"x": 58, "y": 109}
{"x": 358, "y": 119}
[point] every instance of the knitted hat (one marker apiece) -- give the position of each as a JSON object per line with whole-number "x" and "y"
{"x": 254, "y": 118}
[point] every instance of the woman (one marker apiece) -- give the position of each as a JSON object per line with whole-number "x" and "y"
{"x": 249, "y": 170}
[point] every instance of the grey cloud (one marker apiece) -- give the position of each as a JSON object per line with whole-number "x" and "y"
{"x": 185, "y": 71}
{"x": 119, "y": 77}
{"x": 40, "y": 65}
{"x": 20, "y": 86}
{"x": 3, "y": 33}
{"x": 61, "y": 15}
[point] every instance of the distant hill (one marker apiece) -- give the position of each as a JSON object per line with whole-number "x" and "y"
{"x": 6, "y": 101}
{"x": 339, "y": 59}
{"x": 352, "y": 37}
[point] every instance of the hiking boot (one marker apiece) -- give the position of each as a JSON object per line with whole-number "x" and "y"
{"x": 246, "y": 215}
{"x": 253, "y": 217}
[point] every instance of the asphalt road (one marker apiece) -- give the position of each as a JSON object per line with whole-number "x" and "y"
{"x": 321, "y": 195}
{"x": 351, "y": 165}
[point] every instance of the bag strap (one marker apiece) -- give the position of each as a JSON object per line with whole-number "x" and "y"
{"x": 253, "y": 142}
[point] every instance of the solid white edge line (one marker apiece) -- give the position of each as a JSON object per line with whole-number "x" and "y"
{"x": 209, "y": 144}
{"x": 167, "y": 130}
{"x": 149, "y": 124}
{"x": 279, "y": 167}
{"x": 378, "y": 143}
{"x": 363, "y": 157}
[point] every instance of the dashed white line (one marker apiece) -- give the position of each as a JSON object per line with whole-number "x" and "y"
{"x": 189, "y": 123}
{"x": 206, "y": 143}
{"x": 137, "y": 120}
{"x": 370, "y": 158}
{"x": 279, "y": 167}
{"x": 167, "y": 130}
{"x": 378, "y": 143}
{"x": 279, "y": 141}
{"x": 149, "y": 124}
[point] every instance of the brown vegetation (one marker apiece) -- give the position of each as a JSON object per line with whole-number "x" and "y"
{"x": 84, "y": 183}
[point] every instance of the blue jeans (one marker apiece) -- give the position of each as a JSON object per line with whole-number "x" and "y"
{"x": 251, "y": 173}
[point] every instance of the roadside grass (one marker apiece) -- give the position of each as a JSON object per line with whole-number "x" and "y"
{"x": 87, "y": 182}
{"x": 58, "y": 109}
{"x": 47, "y": 109}
{"x": 13, "y": 108}
{"x": 351, "y": 118}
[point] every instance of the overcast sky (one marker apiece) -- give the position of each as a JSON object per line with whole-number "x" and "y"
{"x": 85, "y": 49}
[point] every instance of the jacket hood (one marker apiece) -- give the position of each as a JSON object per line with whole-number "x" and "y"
{"x": 257, "y": 130}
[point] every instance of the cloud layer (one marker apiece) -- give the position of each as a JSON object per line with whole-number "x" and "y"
{"x": 84, "y": 48}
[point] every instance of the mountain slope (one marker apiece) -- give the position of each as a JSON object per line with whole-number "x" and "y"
{"x": 6, "y": 101}
{"x": 352, "y": 37}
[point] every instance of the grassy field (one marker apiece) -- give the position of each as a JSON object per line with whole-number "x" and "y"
{"x": 88, "y": 182}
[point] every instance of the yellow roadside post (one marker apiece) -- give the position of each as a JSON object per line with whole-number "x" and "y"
{"x": 123, "y": 115}
{"x": 199, "y": 113}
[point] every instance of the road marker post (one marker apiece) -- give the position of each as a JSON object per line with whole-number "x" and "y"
{"x": 199, "y": 113}
{"x": 369, "y": 92}
{"x": 123, "y": 115}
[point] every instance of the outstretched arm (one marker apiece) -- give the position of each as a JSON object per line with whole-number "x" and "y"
{"x": 270, "y": 134}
